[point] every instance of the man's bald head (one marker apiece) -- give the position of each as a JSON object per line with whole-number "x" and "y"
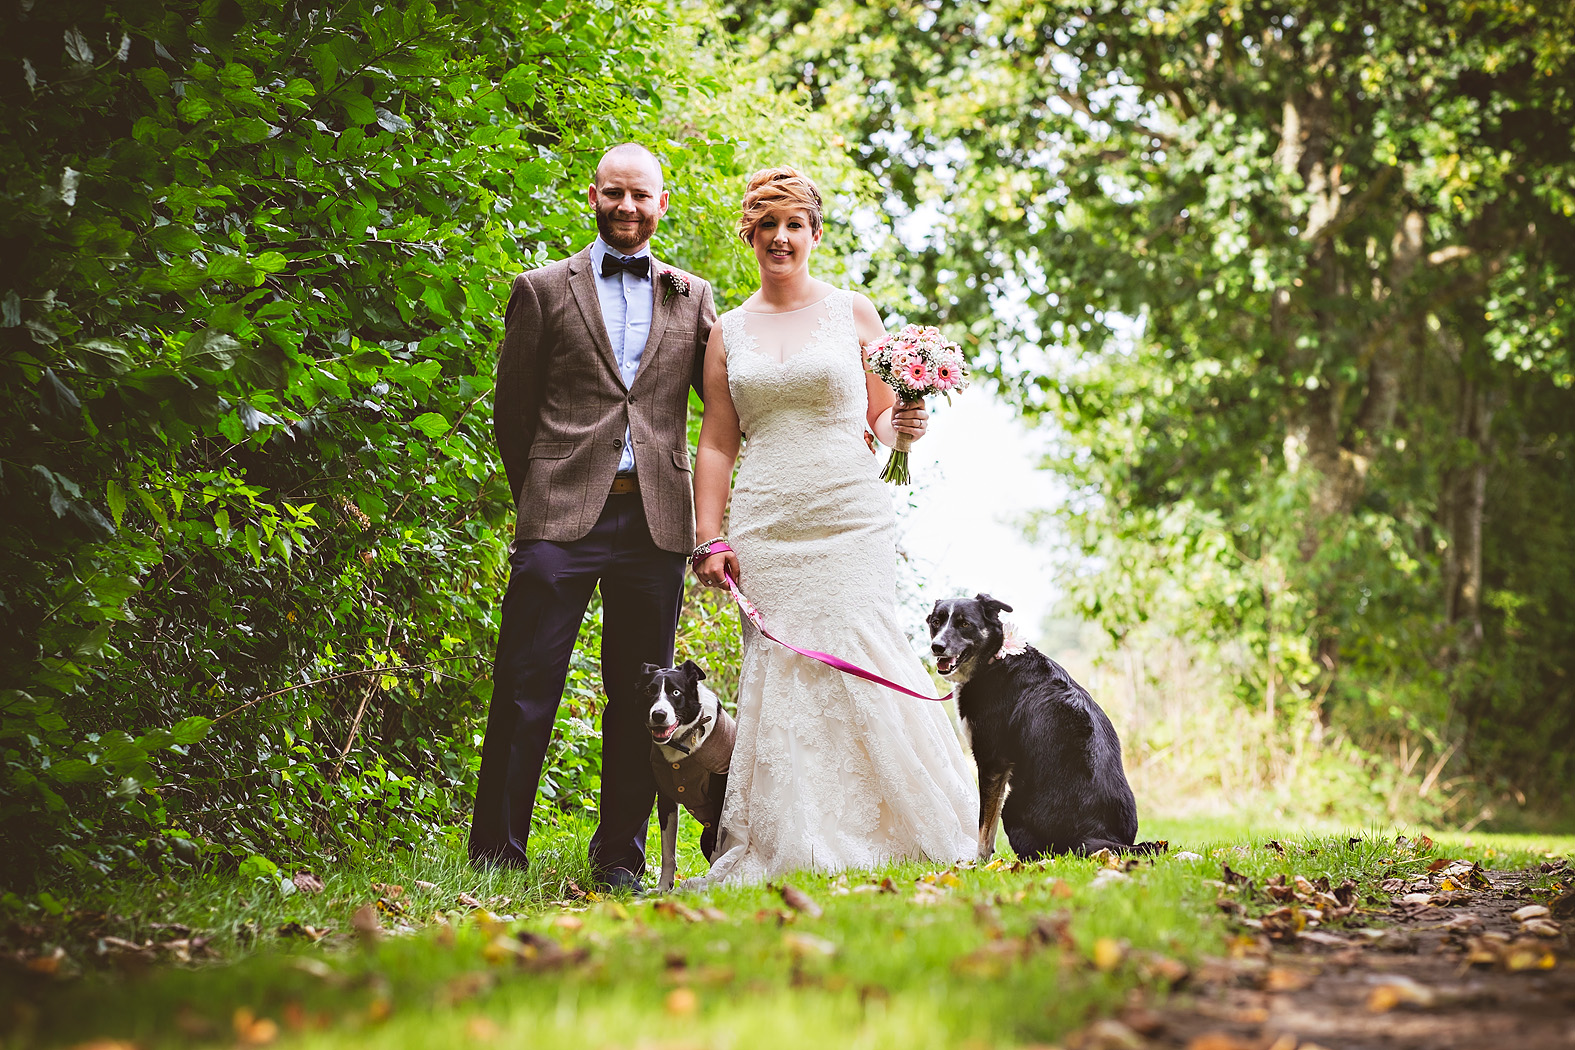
{"x": 629, "y": 153}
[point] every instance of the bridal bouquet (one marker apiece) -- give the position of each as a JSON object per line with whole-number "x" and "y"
{"x": 917, "y": 362}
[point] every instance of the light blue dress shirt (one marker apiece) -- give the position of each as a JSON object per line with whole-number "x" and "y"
{"x": 626, "y": 302}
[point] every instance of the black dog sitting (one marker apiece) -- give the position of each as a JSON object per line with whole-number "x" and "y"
{"x": 1037, "y": 731}
{"x": 691, "y": 752}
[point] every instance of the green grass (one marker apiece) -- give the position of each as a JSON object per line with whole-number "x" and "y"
{"x": 901, "y": 974}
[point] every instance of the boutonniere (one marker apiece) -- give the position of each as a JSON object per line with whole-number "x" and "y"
{"x": 674, "y": 283}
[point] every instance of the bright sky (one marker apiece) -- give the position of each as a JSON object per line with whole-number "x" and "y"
{"x": 976, "y": 475}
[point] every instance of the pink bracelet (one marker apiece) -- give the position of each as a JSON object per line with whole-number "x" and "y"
{"x": 704, "y": 551}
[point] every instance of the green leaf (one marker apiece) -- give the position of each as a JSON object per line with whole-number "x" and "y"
{"x": 210, "y": 350}
{"x": 115, "y": 496}
{"x": 255, "y": 866}
{"x": 432, "y": 424}
{"x": 358, "y": 108}
{"x": 190, "y": 730}
{"x": 193, "y": 108}
{"x": 74, "y": 771}
{"x": 105, "y": 356}
{"x": 232, "y": 268}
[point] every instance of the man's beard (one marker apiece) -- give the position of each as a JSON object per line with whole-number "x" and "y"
{"x": 624, "y": 239}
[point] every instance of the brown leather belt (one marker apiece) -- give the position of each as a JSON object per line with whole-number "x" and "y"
{"x": 623, "y": 484}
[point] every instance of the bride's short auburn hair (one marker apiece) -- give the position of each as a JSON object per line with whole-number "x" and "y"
{"x": 777, "y": 189}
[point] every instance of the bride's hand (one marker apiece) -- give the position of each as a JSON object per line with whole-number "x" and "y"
{"x": 911, "y": 419}
{"x": 710, "y": 571}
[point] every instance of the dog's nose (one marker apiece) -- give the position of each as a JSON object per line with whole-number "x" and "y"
{"x": 658, "y": 718}
{"x": 937, "y": 648}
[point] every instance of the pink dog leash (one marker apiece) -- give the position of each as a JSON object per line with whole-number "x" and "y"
{"x": 748, "y": 608}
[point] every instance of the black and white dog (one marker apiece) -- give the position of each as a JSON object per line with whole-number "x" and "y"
{"x": 1036, "y": 731}
{"x": 692, "y": 739}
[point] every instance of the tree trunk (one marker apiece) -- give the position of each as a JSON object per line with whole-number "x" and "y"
{"x": 1465, "y": 497}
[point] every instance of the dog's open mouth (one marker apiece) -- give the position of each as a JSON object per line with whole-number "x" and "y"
{"x": 946, "y": 664}
{"x": 662, "y": 734}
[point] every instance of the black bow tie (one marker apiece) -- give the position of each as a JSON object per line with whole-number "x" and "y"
{"x": 640, "y": 266}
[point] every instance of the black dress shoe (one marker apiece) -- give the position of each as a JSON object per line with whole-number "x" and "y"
{"x": 622, "y": 880}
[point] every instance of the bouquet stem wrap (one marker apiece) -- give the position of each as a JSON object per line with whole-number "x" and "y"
{"x": 896, "y": 471}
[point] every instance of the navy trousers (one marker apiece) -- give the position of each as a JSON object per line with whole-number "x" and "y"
{"x": 550, "y": 585}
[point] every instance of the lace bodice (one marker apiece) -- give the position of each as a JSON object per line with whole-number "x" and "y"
{"x": 802, "y": 368}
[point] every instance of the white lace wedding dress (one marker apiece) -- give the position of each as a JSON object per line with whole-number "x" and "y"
{"x": 829, "y": 772}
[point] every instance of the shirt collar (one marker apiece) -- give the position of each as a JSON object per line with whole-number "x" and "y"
{"x": 600, "y": 248}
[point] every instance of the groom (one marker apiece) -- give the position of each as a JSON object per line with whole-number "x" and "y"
{"x": 599, "y": 352}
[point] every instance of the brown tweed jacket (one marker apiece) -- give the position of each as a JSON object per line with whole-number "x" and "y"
{"x": 560, "y": 407}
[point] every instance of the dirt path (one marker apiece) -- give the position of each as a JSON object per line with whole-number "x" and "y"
{"x": 1449, "y": 967}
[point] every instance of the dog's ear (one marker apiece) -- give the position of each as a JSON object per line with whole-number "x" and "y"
{"x": 694, "y": 671}
{"x": 647, "y": 670}
{"x": 993, "y": 607}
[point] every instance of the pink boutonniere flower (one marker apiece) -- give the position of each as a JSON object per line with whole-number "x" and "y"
{"x": 674, "y": 283}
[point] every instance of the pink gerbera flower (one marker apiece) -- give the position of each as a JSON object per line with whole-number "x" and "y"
{"x": 945, "y": 375}
{"x": 916, "y": 375}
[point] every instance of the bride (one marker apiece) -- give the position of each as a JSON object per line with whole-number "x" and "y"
{"x": 829, "y": 771}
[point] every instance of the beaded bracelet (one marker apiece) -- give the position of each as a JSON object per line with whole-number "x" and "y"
{"x": 705, "y": 550}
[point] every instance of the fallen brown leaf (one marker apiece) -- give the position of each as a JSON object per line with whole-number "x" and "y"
{"x": 682, "y": 1002}
{"x": 368, "y": 927}
{"x": 483, "y": 1028}
{"x": 393, "y": 891}
{"x": 671, "y": 908}
{"x": 1152, "y": 966}
{"x": 251, "y": 1030}
{"x": 306, "y": 882}
{"x": 1398, "y": 990}
{"x": 1053, "y": 931}
{"x": 1285, "y": 979}
{"x": 800, "y": 901}
{"x": 467, "y": 901}
{"x": 465, "y": 986}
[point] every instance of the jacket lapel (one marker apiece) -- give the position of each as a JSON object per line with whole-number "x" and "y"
{"x": 659, "y": 315}
{"x": 583, "y": 282}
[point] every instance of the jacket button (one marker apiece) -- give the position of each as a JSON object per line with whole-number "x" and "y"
{"x": 680, "y": 787}
{"x": 675, "y": 765}
{"x": 631, "y": 399}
